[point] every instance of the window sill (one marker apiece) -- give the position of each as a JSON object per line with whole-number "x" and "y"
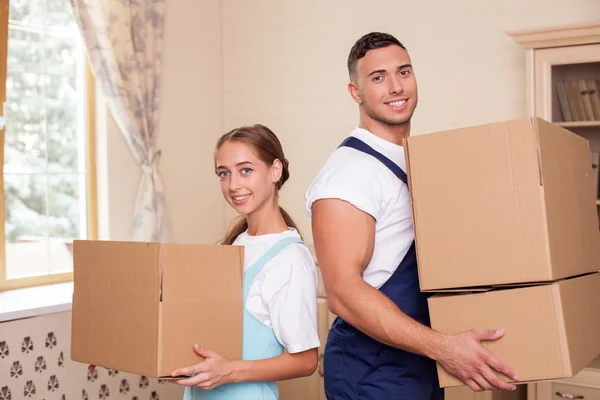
{"x": 35, "y": 301}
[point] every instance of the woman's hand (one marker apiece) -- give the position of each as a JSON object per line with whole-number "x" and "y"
{"x": 214, "y": 371}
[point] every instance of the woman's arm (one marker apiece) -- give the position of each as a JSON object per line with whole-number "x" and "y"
{"x": 279, "y": 368}
{"x": 216, "y": 371}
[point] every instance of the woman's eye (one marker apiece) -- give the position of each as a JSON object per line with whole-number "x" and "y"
{"x": 222, "y": 174}
{"x": 246, "y": 171}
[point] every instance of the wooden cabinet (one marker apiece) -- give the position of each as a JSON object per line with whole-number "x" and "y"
{"x": 585, "y": 386}
{"x": 465, "y": 393}
{"x": 563, "y": 83}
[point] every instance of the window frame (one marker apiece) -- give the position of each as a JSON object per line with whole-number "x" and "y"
{"x": 92, "y": 208}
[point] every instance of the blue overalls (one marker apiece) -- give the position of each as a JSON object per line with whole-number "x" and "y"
{"x": 359, "y": 367}
{"x": 258, "y": 342}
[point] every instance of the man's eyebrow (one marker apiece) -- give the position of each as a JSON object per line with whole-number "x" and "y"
{"x": 377, "y": 71}
{"x": 382, "y": 71}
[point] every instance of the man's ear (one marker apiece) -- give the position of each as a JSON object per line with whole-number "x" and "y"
{"x": 354, "y": 92}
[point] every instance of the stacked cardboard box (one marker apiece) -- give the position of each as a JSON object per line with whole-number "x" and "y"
{"x": 507, "y": 233}
{"x": 140, "y": 307}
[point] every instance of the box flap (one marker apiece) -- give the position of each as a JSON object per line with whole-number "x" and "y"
{"x": 581, "y": 319}
{"x": 482, "y": 289}
{"x": 528, "y": 317}
{"x": 465, "y": 290}
{"x": 478, "y": 206}
{"x": 202, "y": 303}
{"x": 570, "y": 201}
{"x": 115, "y": 305}
{"x": 409, "y": 183}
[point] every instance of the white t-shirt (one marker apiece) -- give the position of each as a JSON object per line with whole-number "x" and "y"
{"x": 283, "y": 295}
{"x": 365, "y": 182}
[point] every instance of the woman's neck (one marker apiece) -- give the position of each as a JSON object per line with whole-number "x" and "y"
{"x": 266, "y": 219}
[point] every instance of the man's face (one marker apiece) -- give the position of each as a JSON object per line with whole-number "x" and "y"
{"x": 385, "y": 85}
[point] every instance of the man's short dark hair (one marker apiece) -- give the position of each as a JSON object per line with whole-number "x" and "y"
{"x": 370, "y": 41}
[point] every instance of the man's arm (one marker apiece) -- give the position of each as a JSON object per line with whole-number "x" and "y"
{"x": 344, "y": 238}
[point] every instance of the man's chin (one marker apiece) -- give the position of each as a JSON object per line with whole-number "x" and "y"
{"x": 395, "y": 120}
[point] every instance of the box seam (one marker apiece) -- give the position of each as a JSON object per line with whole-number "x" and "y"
{"x": 548, "y": 253}
{"x": 535, "y": 127}
{"x": 409, "y": 185}
{"x": 158, "y": 354}
{"x": 515, "y": 192}
{"x": 561, "y": 329}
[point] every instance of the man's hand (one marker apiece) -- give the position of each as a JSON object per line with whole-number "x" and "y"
{"x": 463, "y": 356}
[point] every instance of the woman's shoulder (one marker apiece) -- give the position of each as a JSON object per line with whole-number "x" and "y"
{"x": 293, "y": 267}
{"x": 296, "y": 253}
{"x": 295, "y": 259}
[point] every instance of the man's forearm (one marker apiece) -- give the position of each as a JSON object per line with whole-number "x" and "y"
{"x": 374, "y": 314}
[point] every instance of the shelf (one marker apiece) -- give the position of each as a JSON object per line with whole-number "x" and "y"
{"x": 569, "y": 35}
{"x": 579, "y": 124}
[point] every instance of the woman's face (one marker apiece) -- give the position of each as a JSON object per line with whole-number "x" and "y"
{"x": 247, "y": 182}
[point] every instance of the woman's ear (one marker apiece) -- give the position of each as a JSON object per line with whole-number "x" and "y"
{"x": 277, "y": 170}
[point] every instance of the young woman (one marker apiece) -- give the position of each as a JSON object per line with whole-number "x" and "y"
{"x": 280, "y": 278}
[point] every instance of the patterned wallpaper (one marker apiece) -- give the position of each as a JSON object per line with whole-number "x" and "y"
{"x": 35, "y": 363}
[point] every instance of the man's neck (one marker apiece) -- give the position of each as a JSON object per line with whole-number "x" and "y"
{"x": 390, "y": 133}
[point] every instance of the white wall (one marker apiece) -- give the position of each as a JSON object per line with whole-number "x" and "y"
{"x": 189, "y": 125}
{"x": 283, "y": 64}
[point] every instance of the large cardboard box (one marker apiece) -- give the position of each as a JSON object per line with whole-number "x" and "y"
{"x": 502, "y": 203}
{"x": 140, "y": 307}
{"x": 551, "y": 330}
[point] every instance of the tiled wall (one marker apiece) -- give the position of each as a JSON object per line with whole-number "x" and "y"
{"x": 35, "y": 363}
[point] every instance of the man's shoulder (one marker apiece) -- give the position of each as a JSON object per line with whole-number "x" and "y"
{"x": 352, "y": 163}
{"x": 352, "y": 176}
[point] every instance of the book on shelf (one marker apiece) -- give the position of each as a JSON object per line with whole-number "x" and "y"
{"x": 593, "y": 87}
{"x": 579, "y": 99}
{"x": 596, "y": 172}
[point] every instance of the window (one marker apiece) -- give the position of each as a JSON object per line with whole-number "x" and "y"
{"x": 48, "y": 170}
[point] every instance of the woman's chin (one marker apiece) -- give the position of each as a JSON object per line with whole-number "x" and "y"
{"x": 243, "y": 209}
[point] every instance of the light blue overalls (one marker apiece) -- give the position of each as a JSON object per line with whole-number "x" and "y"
{"x": 258, "y": 342}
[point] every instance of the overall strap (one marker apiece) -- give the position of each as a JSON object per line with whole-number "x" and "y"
{"x": 253, "y": 271}
{"x": 359, "y": 145}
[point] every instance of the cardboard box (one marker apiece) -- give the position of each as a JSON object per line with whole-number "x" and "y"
{"x": 551, "y": 330}
{"x": 502, "y": 203}
{"x": 140, "y": 307}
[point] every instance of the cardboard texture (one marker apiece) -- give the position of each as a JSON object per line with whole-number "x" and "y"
{"x": 140, "y": 307}
{"x": 502, "y": 203}
{"x": 551, "y": 330}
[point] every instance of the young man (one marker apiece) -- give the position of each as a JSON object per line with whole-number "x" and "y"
{"x": 381, "y": 346}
